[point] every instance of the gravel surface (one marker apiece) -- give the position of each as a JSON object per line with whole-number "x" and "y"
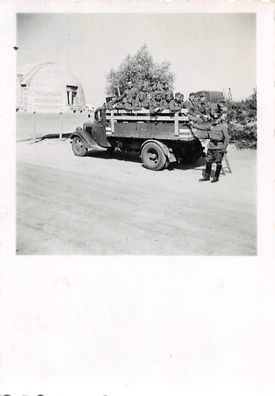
{"x": 108, "y": 204}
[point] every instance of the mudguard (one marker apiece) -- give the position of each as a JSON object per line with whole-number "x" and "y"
{"x": 86, "y": 137}
{"x": 97, "y": 132}
{"x": 91, "y": 135}
{"x": 169, "y": 155}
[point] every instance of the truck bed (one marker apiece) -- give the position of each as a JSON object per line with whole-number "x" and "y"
{"x": 144, "y": 125}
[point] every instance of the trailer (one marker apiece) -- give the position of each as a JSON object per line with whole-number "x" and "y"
{"x": 159, "y": 138}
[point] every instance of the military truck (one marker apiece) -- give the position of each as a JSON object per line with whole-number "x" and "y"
{"x": 159, "y": 138}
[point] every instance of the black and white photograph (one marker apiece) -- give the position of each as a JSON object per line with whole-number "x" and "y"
{"x": 136, "y": 134}
{"x": 137, "y": 198}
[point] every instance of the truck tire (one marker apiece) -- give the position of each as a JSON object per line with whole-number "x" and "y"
{"x": 78, "y": 147}
{"x": 110, "y": 150}
{"x": 153, "y": 157}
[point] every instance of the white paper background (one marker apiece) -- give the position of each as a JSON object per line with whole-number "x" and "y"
{"x": 138, "y": 325}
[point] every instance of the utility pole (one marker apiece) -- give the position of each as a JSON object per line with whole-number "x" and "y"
{"x": 229, "y": 95}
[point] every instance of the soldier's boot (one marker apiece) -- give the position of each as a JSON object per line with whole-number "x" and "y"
{"x": 206, "y": 176}
{"x": 217, "y": 173}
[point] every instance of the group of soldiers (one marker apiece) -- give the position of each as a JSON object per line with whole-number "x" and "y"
{"x": 203, "y": 116}
{"x": 159, "y": 97}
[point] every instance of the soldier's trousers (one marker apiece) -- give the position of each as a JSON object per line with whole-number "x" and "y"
{"x": 214, "y": 156}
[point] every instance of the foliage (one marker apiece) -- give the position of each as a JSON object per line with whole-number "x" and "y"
{"x": 243, "y": 122}
{"x": 139, "y": 68}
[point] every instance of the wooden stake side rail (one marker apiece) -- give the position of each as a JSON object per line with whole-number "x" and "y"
{"x": 146, "y": 117}
{"x": 181, "y": 131}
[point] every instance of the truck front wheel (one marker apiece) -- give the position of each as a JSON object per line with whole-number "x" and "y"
{"x": 153, "y": 157}
{"x": 78, "y": 147}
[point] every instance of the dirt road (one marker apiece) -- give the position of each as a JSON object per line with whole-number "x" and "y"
{"x": 104, "y": 204}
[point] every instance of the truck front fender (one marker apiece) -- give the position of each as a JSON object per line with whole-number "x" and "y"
{"x": 86, "y": 137}
{"x": 97, "y": 132}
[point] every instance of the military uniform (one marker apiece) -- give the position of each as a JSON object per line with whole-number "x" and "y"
{"x": 219, "y": 139}
{"x": 143, "y": 104}
{"x": 176, "y": 104}
{"x": 156, "y": 104}
{"x": 142, "y": 100}
{"x": 119, "y": 106}
{"x": 111, "y": 105}
{"x": 130, "y": 104}
{"x": 166, "y": 102}
{"x": 152, "y": 89}
{"x": 204, "y": 110}
{"x": 217, "y": 110}
{"x": 128, "y": 93}
{"x": 166, "y": 93}
{"x": 193, "y": 112}
{"x": 144, "y": 92}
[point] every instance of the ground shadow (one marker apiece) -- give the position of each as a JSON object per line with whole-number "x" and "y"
{"x": 135, "y": 157}
{"x": 131, "y": 156}
{"x": 116, "y": 154}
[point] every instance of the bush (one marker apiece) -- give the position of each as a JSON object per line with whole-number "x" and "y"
{"x": 243, "y": 122}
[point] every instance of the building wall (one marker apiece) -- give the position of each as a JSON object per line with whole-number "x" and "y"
{"x": 36, "y": 125}
{"x": 44, "y": 89}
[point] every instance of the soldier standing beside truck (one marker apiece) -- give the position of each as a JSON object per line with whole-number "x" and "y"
{"x": 219, "y": 139}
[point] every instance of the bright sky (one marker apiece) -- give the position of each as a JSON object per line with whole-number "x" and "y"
{"x": 206, "y": 51}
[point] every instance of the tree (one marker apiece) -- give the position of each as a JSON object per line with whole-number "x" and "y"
{"x": 138, "y": 68}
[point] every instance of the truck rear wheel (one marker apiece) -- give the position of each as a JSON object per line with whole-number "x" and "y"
{"x": 78, "y": 147}
{"x": 153, "y": 157}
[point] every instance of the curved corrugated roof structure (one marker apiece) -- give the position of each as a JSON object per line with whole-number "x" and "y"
{"x": 48, "y": 87}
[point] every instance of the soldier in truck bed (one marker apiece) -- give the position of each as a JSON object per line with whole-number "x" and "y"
{"x": 192, "y": 105}
{"x": 142, "y": 101}
{"x": 177, "y": 103}
{"x": 218, "y": 109}
{"x": 221, "y": 107}
{"x": 219, "y": 139}
{"x": 167, "y": 101}
{"x": 114, "y": 103}
{"x": 145, "y": 90}
{"x": 166, "y": 90}
{"x": 204, "y": 109}
{"x": 130, "y": 102}
{"x": 129, "y": 92}
{"x": 154, "y": 87}
{"x": 156, "y": 104}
